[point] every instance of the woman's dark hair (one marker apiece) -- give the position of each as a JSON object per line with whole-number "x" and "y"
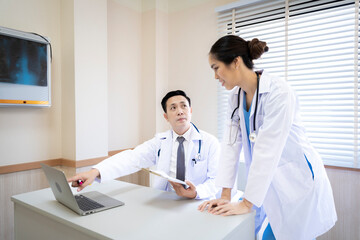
{"x": 172, "y": 94}
{"x": 229, "y": 47}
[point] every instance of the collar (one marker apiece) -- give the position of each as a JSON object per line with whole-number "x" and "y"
{"x": 264, "y": 84}
{"x": 264, "y": 87}
{"x": 186, "y": 135}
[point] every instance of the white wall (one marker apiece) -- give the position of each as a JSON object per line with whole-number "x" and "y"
{"x": 124, "y": 73}
{"x": 68, "y": 132}
{"x": 91, "y": 109}
{"x": 162, "y": 65}
{"x": 33, "y": 134}
{"x": 154, "y": 84}
{"x": 107, "y": 88}
{"x": 148, "y": 75}
{"x": 76, "y": 126}
{"x": 152, "y": 46}
{"x": 192, "y": 31}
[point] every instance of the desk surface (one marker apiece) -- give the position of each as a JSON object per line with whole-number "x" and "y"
{"x": 147, "y": 214}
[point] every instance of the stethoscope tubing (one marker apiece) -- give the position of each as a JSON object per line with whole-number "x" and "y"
{"x": 256, "y": 103}
{"x": 198, "y": 156}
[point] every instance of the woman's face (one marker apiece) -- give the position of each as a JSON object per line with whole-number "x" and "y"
{"x": 226, "y": 74}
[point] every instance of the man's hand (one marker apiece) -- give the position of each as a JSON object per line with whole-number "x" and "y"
{"x": 190, "y": 192}
{"x": 86, "y": 178}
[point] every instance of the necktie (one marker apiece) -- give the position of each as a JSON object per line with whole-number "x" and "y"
{"x": 180, "y": 164}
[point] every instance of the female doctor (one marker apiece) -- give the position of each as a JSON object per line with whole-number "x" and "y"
{"x": 286, "y": 179}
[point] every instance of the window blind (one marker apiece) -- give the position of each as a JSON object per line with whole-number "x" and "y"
{"x": 314, "y": 45}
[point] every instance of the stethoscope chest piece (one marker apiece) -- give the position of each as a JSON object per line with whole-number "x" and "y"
{"x": 252, "y": 137}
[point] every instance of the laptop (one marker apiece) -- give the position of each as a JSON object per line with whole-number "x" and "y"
{"x": 82, "y": 204}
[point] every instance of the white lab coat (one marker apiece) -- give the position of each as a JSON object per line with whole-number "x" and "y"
{"x": 202, "y": 174}
{"x": 279, "y": 177}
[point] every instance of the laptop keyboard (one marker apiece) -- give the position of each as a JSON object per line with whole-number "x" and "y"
{"x": 87, "y": 204}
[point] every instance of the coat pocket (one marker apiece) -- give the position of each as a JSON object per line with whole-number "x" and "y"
{"x": 291, "y": 182}
{"x": 197, "y": 169}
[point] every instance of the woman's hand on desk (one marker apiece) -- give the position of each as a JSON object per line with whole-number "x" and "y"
{"x": 190, "y": 192}
{"x": 84, "y": 179}
{"x": 211, "y": 204}
{"x": 233, "y": 208}
{"x": 226, "y": 208}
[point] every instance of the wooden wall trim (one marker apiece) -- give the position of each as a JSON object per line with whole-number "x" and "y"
{"x": 343, "y": 168}
{"x": 88, "y": 162}
{"x": 29, "y": 166}
{"x": 112, "y": 153}
{"x": 55, "y": 162}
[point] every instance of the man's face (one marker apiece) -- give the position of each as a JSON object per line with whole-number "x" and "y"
{"x": 178, "y": 113}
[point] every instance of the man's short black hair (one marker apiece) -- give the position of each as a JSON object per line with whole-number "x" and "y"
{"x": 172, "y": 94}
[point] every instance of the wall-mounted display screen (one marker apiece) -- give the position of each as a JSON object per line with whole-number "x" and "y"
{"x": 25, "y": 69}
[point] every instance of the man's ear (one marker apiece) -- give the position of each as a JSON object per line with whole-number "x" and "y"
{"x": 166, "y": 117}
{"x": 191, "y": 110}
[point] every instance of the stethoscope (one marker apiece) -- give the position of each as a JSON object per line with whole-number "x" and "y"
{"x": 252, "y": 135}
{"x": 197, "y": 156}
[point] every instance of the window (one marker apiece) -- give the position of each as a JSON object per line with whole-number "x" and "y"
{"x": 314, "y": 45}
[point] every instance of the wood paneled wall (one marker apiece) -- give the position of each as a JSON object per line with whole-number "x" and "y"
{"x": 31, "y": 180}
{"x": 346, "y": 188}
{"x": 345, "y": 184}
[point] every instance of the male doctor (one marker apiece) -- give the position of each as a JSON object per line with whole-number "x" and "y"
{"x": 184, "y": 152}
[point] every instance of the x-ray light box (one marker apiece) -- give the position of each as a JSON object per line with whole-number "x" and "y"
{"x": 25, "y": 69}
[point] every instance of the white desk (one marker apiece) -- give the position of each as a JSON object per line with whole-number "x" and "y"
{"x": 147, "y": 214}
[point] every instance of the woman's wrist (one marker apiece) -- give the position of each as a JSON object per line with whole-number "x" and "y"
{"x": 226, "y": 194}
{"x": 248, "y": 204}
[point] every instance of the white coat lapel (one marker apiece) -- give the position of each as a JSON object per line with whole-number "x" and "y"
{"x": 193, "y": 146}
{"x": 264, "y": 87}
{"x": 242, "y": 122}
{"x": 244, "y": 136}
{"x": 188, "y": 158}
{"x": 165, "y": 153}
{"x": 253, "y": 106}
{"x": 190, "y": 151}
